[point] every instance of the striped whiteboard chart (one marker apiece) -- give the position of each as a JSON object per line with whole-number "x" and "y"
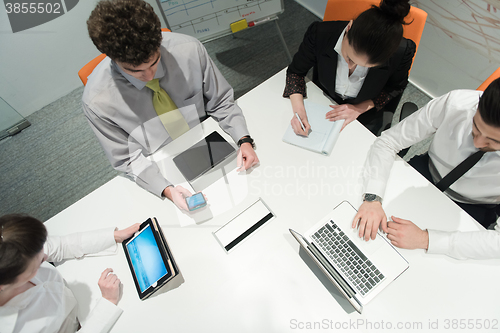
{"x": 209, "y": 19}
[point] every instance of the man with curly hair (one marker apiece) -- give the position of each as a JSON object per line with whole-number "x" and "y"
{"x": 118, "y": 98}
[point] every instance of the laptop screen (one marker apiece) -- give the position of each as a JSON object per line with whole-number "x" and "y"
{"x": 146, "y": 259}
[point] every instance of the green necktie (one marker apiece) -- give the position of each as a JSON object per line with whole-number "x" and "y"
{"x": 169, "y": 114}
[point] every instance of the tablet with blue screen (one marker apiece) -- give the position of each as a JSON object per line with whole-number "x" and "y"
{"x": 149, "y": 259}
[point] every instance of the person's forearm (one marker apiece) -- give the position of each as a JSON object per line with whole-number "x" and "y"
{"x": 150, "y": 178}
{"x": 218, "y": 99}
{"x": 297, "y": 101}
{"x": 483, "y": 244}
{"x": 102, "y": 317}
{"x": 365, "y": 106}
{"x": 167, "y": 193}
{"x": 77, "y": 245}
{"x": 378, "y": 164}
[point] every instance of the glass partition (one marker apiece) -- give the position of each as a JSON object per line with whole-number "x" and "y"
{"x": 11, "y": 122}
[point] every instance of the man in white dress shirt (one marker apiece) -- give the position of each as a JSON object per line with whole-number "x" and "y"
{"x": 463, "y": 122}
{"x": 118, "y": 101}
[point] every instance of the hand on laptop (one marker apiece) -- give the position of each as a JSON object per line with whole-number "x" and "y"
{"x": 405, "y": 234}
{"x": 370, "y": 216}
{"x": 247, "y": 157}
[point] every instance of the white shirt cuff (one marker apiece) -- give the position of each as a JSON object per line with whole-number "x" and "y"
{"x": 439, "y": 242}
{"x": 102, "y": 318}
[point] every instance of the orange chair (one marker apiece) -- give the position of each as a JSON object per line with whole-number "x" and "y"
{"x": 89, "y": 67}
{"x": 485, "y": 84}
{"x": 409, "y": 107}
{"x": 346, "y": 10}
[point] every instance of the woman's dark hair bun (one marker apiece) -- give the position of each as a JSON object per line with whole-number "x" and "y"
{"x": 377, "y": 32}
{"x": 396, "y": 10}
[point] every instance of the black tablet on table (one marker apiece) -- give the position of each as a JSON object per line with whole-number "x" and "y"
{"x": 203, "y": 156}
{"x": 149, "y": 258}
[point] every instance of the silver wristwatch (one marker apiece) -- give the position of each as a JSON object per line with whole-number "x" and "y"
{"x": 371, "y": 197}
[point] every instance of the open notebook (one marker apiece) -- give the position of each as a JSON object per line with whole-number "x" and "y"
{"x": 324, "y": 133}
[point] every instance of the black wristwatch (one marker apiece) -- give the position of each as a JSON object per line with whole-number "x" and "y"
{"x": 246, "y": 139}
{"x": 371, "y": 197}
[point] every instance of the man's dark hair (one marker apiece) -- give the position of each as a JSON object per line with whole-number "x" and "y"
{"x": 21, "y": 239}
{"x": 127, "y": 31}
{"x": 489, "y": 104}
{"x": 377, "y": 32}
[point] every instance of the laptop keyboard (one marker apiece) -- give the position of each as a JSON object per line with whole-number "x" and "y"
{"x": 346, "y": 256}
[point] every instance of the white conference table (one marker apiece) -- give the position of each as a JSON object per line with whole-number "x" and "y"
{"x": 265, "y": 284}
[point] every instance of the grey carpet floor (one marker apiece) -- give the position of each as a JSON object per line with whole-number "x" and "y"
{"x": 57, "y": 160}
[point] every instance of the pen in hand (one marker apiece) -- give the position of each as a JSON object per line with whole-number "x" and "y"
{"x": 300, "y": 121}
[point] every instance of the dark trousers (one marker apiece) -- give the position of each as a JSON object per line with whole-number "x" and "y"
{"x": 484, "y": 214}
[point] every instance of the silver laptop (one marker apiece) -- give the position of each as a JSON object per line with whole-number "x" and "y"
{"x": 359, "y": 269}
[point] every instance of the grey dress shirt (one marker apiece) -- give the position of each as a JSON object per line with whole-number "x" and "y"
{"x": 120, "y": 110}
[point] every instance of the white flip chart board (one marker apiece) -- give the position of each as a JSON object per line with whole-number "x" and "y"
{"x": 209, "y": 19}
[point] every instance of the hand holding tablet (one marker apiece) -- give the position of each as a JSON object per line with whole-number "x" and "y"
{"x": 149, "y": 258}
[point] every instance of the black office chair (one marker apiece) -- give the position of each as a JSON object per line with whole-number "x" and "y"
{"x": 407, "y": 109}
{"x": 388, "y": 113}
